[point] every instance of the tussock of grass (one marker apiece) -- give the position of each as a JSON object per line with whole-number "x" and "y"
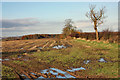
{"x": 7, "y": 72}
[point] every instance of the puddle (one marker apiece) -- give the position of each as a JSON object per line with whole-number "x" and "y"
{"x": 59, "y": 47}
{"x": 5, "y": 59}
{"x": 40, "y": 47}
{"x": 26, "y": 78}
{"x": 33, "y": 73}
{"x": 40, "y": 77}
{"x": 19, "y": 56}
{"x": 86, "y": 62}
{"x": 58, "y": 73}
{"x": 49, "y": 71}
{"x": 102, "y": 60}
{"x": 25, "y": 60}
{"x": 76, "y": 69}
{"x": 65, "y": 73}
{"x": 24, "y": 75}
{"x": 21, "y": 48}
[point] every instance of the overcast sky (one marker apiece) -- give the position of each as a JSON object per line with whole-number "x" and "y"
{"x": 22, "y": 18}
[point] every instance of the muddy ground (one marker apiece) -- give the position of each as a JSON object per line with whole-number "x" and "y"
{"x": 44, "y": 58}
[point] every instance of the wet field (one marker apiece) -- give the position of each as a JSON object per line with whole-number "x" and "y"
{"x": 50, "y": 58}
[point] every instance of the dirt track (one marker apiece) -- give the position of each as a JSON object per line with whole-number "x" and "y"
{"x": 26, "y": 46}
{"x": 33, "y": 56}
{"x": 22, "y": 46}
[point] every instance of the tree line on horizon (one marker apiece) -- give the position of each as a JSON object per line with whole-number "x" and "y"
{"x": 69, "y": 30}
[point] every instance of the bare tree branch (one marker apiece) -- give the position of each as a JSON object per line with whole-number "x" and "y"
{"x": 96, "y": 17}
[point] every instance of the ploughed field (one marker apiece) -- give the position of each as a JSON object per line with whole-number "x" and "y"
{"x": 54, "y": 58}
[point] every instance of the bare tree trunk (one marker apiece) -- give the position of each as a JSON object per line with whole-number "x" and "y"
{"x": 97, "y": 34}
{"x": 95, "y": 27}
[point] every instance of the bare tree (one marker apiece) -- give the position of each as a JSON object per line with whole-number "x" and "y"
{"x": 96, "y": 17}
{"x": 69, "y": 28}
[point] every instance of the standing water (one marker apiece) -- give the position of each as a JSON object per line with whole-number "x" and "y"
{"x": 86, "y": 62}
{"x": 102, "y": 60}
{"x": 76, "y": 69}
{"x": 59, "y": 47}
{"x": 56, "y": 72}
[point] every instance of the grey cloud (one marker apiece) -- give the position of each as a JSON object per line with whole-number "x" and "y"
{"x": 21, "y": 25}
{"x": 52, "y": 23}
{"x": 25, "y": 22}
